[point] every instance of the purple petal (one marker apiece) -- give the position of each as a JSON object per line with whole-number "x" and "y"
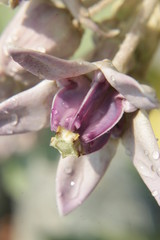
{"x": 77, "y": 177}
{"x": 49, "y": 67}
{"x": 28, "y": 110}
{"x": 31, "y": 28}
{"x": 67, "y": 101}
{"x": 105, "y": 117}
{"x": 141, "y": 143}
{"x": 100, "y": 110}
{"x": 127, "y": 86}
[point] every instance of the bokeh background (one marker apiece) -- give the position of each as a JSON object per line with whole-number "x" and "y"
{"x": 120, "y": 208}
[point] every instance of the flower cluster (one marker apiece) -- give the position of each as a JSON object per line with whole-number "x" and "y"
{"x": 89, "y": 105}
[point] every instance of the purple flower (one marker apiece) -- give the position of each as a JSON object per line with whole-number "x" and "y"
{"x": 93, "y": 104}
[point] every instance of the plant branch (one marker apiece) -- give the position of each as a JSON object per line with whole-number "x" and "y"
{"x": 133, "y": 37}
{"x": 98, "y": 6}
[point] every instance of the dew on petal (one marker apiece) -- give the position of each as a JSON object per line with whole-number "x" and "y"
{"x": 113, "y": 78}
{"x": 145, "y": 171}
{"x": 72, "y": 183}
{"x": 55, "y": 112}
{"x": 14, "y": 101}
{"x": 69, "y": 171}
{"x": 155, "y": 155}
{"x": 14, "y": 119}
{"x": 154, "y": 193}
{"x": 41, "y": 49}
{"x": 77, "y": 124}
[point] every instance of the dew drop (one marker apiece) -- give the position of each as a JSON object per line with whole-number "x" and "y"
{"x": 77, "y": 124}
{"x": 67, "y": 120}
{"x": 145, "y": 171}
{"x": 68, "y": 170}
{"x": 14, "y": 101}
{"x": 41, "y": 49}
{"x": 64, "y": 104}
{"x": 55, "y": 112}
{"x": 72, "y": 183}
{"x": 14, "y": 119}
{"x": 5, "y": 112}
{"x": 113, "y": 78}
{"x": 155, "y": 155}
{"x": 154, "y": 193}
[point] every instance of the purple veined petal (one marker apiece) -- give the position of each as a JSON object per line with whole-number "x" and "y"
{"x": 105, "y": 118}
{"x": 127, "y": 86}
{"x": 67, "y": 101}
{"x": 77, "y": 177}
{"x": 100, "y": 110}
{"x": 141, "y": 143}
{"x": 28, "y": 110}
{"x": 49, "y": 67}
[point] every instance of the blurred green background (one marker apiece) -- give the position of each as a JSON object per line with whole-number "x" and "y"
{"x": 121, "y": 207}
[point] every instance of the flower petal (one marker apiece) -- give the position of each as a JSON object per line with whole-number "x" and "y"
{"x": 28, "y": 110}
{"x": 141, "y": 143}
{"x": 127, "y": 86}
{"x": 67, "y": 101}
{"x": 77, "y": 177}
{"x": 49, "y": 67}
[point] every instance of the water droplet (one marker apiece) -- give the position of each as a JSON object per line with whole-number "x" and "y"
{"x": 67, "y": 120}
{"x": 55, "y": 112}
{"x": 145, "y": 171}
{"x": 5, "y": 112}
{"x": 155, "y": 155}
{"x": 113, "y": 78}
{"x": 68, "y": 170}
{"x": 72, "y": 183}
{"x": 65, "y": 105}
{"x": 41, "y": 49}
{"x": 77, "y": 124}
{"x": 154, "y": 193}
{"x": 14, "y": 101}
{"x": 14, "y": 119}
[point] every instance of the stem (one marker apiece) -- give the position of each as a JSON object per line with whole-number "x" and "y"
{"x": 133, "y": 37}
{"x": 98, "y": 6}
